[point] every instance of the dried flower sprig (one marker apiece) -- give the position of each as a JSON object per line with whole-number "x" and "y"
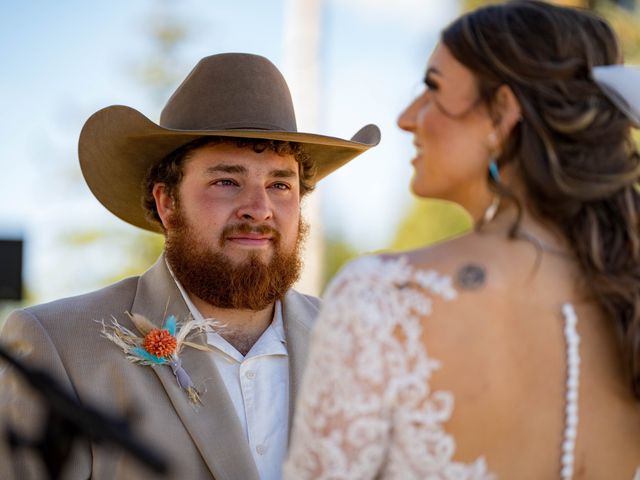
{"x": 160, "y": 346}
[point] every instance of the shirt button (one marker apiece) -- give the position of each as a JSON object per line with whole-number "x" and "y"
{"x": 261, "y": 449}
{"x": 250, "y": 374}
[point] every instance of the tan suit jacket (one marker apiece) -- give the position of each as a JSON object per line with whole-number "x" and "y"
{"x": 200, "y": 442}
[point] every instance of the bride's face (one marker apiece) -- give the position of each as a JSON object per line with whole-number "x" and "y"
{"x": 452, "y": 132}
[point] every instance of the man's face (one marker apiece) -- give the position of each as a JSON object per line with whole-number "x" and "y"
{"x": 224, "y": 186}
{"x": 234, "y": 225}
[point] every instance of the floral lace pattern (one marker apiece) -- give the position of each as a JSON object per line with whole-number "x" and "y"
{"x": 366, "y": 409}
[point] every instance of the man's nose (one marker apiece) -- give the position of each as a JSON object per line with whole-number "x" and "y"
{"x": 255, "y": 206}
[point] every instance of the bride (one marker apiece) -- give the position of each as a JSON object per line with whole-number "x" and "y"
{"x": 513, "y": 351}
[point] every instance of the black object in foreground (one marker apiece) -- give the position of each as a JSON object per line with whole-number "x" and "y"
{"x": 67, "y": 420}
{"x": 11, "y": 255}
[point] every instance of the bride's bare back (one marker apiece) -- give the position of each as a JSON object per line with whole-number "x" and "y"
{"x": 503, "y": 356}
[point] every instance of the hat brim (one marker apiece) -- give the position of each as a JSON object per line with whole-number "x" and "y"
{"x": 118, "y": 145}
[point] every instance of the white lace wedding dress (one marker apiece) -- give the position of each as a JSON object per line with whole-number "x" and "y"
{"x": 366, "y": 409}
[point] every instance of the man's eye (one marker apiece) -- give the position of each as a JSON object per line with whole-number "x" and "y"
{"x": 281, "y": 186}
{"x": 225, "y": 182}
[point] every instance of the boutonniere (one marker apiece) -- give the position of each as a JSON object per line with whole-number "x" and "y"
{"x": 159, "y": 346}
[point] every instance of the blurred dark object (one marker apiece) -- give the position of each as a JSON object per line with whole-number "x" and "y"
{"x": 68, "y": 420}
{"x": 10, "y": 269}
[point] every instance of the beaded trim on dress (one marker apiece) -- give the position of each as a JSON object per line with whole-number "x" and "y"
{"x": 572, "y": 339}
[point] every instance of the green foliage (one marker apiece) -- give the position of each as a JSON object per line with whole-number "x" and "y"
{"x": 468, "y": 5}
{"x": 430, "y": 221}
{"x": 625, "y": 23}
{"x": 337, "y": 252}
{"x": 160, "y": 69}
{"x": 157, "y": 70}
{"x": 136, "y": 251}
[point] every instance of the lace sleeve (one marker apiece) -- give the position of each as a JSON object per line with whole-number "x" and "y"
{"x": 366, "y": 359}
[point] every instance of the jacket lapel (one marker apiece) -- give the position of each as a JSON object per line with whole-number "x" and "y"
{"x": 213, "y": 426}
{"x": 299, "y": 313}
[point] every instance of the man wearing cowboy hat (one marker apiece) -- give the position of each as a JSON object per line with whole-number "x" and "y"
{"x": 221, "y": 177}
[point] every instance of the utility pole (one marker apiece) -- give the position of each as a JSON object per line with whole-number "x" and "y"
{"x": 302, "y": 32}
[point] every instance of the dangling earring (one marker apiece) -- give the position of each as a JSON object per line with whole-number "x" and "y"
{"x": 492, "y": 209}
{"x": 494, "y": 172}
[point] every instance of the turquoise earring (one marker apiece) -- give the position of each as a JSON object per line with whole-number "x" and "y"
{"x": 492, "y": 209}
{"x": 494, "y": 172}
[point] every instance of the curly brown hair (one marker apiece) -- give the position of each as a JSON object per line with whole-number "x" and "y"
{"x": 169, "y": 170}
{"x": 573, "y": 147}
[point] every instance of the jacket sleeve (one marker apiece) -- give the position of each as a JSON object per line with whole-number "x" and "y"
{"x": 22, "y": 408}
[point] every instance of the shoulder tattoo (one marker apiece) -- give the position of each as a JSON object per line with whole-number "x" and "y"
{"x": 471, "y": 277}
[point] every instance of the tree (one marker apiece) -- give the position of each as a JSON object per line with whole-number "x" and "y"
{"x": 338, "y": 252}
{"x": 431, "y": 221}
{"x": 159, "y": 70}
{"x": 302, "y": 49}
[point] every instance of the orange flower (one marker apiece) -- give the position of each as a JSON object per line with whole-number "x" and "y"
{"x": 160, "y": 343}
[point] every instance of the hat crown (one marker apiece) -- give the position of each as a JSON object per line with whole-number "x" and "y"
{"x": 231, "y": 91}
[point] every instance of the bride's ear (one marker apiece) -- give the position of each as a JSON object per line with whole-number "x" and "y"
{"x": 507, "y": 111}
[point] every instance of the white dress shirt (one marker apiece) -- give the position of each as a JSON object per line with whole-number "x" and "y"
{"x": 258, "y": 385}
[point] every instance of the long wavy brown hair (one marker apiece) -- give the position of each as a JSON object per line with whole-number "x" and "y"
{"x": 573, "y": 148}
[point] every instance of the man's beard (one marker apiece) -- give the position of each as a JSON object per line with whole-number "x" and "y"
{"x": 212, "y": 276}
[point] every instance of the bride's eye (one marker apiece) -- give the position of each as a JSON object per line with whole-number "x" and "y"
{"x": 430, "y": 84}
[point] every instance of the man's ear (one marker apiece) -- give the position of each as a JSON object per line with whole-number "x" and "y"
{"x": 508, "y": 112}
{"x": 165, "y": 203}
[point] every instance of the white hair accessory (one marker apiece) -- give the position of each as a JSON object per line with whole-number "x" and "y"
{"x": 621, "y": 84}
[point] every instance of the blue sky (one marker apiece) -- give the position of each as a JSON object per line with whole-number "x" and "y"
{"x": 64, "y": 60}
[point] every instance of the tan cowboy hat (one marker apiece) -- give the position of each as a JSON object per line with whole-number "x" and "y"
{"x": 231, "y": 95}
